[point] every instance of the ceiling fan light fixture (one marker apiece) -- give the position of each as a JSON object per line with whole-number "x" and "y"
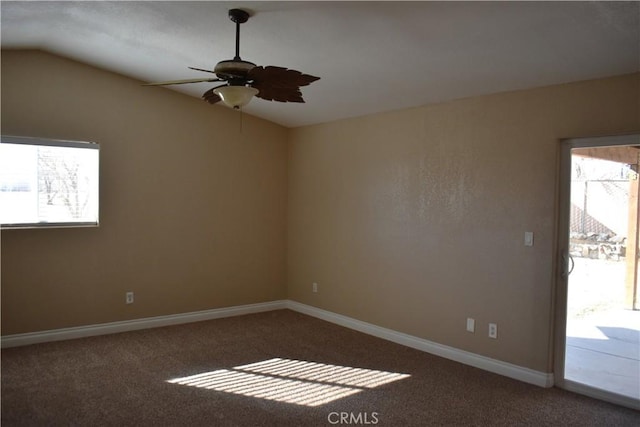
{"x": 236, "y": 97}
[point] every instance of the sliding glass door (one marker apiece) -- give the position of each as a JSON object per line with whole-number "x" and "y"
{"x": 598, "y": 322}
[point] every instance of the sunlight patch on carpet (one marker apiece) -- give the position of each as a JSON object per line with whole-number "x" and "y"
{"x": 291, "y": 381}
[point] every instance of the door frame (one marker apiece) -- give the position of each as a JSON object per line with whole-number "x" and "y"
{"x": 562, "y": 264}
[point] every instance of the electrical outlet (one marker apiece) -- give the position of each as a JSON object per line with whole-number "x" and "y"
{"x": 314, "y": 287}
{"x": 493, "y": 330}
{"x": 129, "y": 298}
{"x": 471, "y": 325}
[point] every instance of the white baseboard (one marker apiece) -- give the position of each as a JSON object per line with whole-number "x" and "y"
{"x": 520, "y": 373}
{"x": 496, "y": 366}
{"x": 136, "y": 324}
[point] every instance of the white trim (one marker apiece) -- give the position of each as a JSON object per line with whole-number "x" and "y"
{"x": 520, "y": 373}
{"x": 136, "y": 324}
{"x": 492, "y": 365}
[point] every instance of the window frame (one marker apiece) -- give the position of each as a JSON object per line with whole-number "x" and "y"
{"x": 48, "y": 142}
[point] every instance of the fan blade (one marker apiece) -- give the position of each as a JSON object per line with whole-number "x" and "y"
{"x": 200, "y": 69}
{"x": 180, "y": 82}
{"x": 280, "y": 77}
{"x": 279, "y": 84}
{"x": 211, "y": 97}
{"x": 280, "y": 94}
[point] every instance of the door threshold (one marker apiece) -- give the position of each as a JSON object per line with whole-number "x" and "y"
{"x": 600, "y": 394}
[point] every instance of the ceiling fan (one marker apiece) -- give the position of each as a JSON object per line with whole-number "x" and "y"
{"x": 245, "y": 79}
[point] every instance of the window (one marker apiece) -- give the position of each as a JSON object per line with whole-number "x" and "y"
{"x": 48, "y": 183}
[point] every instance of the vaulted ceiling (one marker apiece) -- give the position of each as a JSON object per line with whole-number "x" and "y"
{"x": 371, "y": 56}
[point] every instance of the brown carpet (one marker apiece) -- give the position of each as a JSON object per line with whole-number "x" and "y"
{"x": 122, "y": 380}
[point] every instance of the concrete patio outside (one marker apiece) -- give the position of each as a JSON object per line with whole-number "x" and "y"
{"x": 603, "y": 338}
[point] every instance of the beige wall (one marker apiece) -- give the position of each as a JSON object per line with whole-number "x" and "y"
{"x": 192, "y": 208}
{"x": 414, "y": 220}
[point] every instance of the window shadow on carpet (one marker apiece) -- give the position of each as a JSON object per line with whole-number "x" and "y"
{"x": 291, "y": 381}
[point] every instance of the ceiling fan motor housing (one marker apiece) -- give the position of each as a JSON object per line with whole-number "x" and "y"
{"x": 233, "y": 69}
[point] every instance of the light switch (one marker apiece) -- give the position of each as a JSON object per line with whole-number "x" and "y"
{"x": 471, "y": 325}
{"x": 528, "y": 238}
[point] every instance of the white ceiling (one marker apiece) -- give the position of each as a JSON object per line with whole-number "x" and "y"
{"x": 371, "y": 56}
